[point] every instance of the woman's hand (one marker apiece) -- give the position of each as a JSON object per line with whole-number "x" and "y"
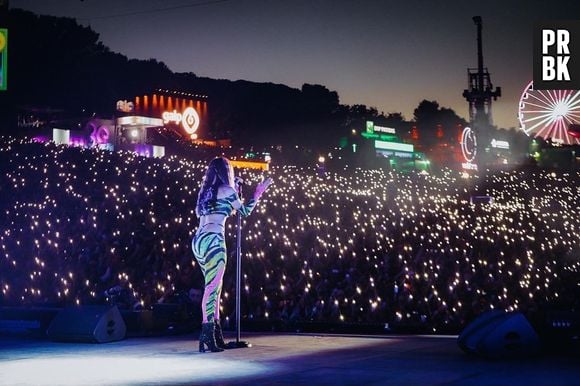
{"x": 261, "y": 188}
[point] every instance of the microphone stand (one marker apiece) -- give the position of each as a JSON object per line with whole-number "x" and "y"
{"x": 238, "y": 343}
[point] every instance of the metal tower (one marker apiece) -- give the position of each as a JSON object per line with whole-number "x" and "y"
{"x": 480, "y": 89}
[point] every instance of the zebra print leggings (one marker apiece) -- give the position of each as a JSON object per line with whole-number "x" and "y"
{"x": 209, "y": 249}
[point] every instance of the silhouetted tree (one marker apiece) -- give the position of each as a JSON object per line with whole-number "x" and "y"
{"x": 57, "y": 63}
{"x": 428, "y": 115}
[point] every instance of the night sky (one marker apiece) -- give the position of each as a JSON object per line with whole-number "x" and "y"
{"x": 387, "y": 54}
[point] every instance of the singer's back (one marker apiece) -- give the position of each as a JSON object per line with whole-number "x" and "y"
{"x": 221, "y": 205}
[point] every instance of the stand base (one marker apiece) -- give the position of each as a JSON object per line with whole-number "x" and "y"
{"x": 238, "y": 344}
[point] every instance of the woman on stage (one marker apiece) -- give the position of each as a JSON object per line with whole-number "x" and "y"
{"x": 217, "y": 199}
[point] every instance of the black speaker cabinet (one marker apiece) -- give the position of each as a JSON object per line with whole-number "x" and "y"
{"x": 498, "y": 334}
{"x": 90, "y": 324}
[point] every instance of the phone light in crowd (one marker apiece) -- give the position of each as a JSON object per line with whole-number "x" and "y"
{"x": 321, "y": 159}
{"x": 357, "y": 216}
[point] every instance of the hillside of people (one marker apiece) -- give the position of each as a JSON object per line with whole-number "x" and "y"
{"x": 89, "y": 226}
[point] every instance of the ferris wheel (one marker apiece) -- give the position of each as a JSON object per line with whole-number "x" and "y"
{"x": 550, "y": 113}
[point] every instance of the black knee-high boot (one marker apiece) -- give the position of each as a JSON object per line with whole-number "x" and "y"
{"x": 207, "y": 338}
{"x": 219, "y": 336}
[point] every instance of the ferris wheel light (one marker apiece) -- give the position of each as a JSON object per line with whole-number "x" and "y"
{"x": 560, "y": 110}
{"x": 549, "y": 114}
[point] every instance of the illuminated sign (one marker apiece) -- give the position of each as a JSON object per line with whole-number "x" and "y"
{"x": 394, "y": 146}
{"x": 372, "y": 128}
{"x": 382, "y": 129}
{"x": 125, "y": 106}
{"x": 100, "y": 135}
{"x": 169, "y": 116}
{"x": 250, "y": 164}
{"x": 468, "y": 144}
{"x": 134, "y": 120}
{"x": 500, "y": 144}
{"x": 390, "y": 153}
{"x": 3, "y": 59}
{"x": 189, "y": 119}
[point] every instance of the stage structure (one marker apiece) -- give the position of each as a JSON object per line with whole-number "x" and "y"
{"x": 171, "y": 114}
{"x": 480, "y": 92}
{"x": 145, "y": 124}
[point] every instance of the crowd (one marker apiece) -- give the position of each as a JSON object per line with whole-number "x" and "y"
{"x": 348, "y": 246}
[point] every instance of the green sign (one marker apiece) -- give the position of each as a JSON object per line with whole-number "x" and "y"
{"x": 384, "y": 137}
{"x": 370, "y": 135}
{"x": 3, "y": 58}
{"x": 395, "y": 146}
{"x": 370, "y": 127}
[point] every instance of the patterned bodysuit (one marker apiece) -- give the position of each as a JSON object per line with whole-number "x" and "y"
{"x": 209, "y": 249}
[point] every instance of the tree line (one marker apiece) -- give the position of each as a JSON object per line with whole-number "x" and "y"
{"x": 56, "y": 63}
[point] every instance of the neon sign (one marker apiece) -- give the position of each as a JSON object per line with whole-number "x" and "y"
{"x": 169, "y": 116}
{"x": 125, "y": 106}
{"x": 382, "y": 129}
{"x": 189, "y": 119}
{"x": 100, "y": 134}
{"x": 468, "y": 144}
{"x": 372, "y": 128}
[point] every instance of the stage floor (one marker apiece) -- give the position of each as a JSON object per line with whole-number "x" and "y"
{"x": 274, "y": 359}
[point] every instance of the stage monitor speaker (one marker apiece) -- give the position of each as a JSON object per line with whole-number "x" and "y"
{"x": 91, "y": 324}
{"x": 497, "y": 334}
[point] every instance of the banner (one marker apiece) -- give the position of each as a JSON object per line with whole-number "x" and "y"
{"x": 3, "y": 58}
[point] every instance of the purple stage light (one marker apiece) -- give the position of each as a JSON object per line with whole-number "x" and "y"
{"x": 40, "y": 139}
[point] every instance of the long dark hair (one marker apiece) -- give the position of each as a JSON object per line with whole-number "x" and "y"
{"x": 219, "y": 172}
